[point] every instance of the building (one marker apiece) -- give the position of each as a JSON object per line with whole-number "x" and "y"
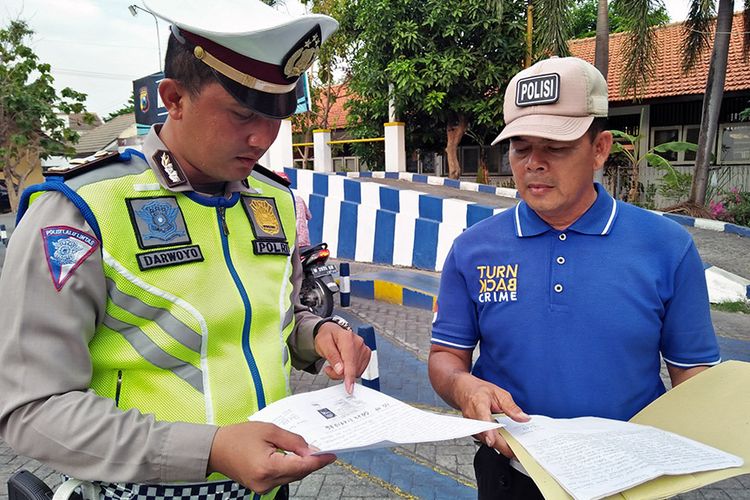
{"x": 670, "y": 107}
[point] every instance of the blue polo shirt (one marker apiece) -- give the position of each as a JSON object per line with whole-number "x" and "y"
{"x": 572, "y": 322}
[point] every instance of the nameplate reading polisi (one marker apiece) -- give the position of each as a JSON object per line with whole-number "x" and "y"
{"x": 539, "y": 89}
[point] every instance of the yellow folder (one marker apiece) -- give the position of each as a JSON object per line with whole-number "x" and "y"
{"x": 712, "y": 407}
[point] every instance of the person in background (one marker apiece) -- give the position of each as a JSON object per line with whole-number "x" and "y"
{"x": 150, "y": 300}
{"x": 303, "y": 215}
{"x": 572, "y": 297}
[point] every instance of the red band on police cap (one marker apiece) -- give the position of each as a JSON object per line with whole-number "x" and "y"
{"x": 268, "y": 72}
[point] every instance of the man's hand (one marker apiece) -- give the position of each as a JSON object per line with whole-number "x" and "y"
{"x": 249, "y": 454}
{"x": 476, "y": 398}
{"x": 345, "y": 351}
{"x": 479, "y": 399}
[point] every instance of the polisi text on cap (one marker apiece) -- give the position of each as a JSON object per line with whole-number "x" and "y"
{"x": 539, "y": 89}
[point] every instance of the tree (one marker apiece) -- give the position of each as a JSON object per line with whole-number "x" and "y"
{"x": 672, "y": 181}
{"x": 447, "y": 60}
{"x": 30, "y": 128}
{"x": 128, "y": 108}
{"x": 584, "y": 17}
{"x": 325, "y": 90}
{"x": 697, "y": 38}
{"x": 637, "y": 17}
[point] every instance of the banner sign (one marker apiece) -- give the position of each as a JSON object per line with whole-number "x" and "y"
{"x": 148, "y": 106}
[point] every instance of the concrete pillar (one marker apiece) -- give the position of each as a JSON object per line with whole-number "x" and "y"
{"x": 323, "y": 161}
{"x": 280, "y": 155}
{"x": 395, "y": 147}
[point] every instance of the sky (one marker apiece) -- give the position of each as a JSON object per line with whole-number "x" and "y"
{"x": 97, "y": 47}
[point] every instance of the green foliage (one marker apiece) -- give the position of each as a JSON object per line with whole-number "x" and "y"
{"x": 733, "y": 206}
{"x": 444, "y": 58}
{"x": 29, "y": 104}
{"x": 673, "y": 183}
{"x": 583, "y": 17}
{"x": 128, "y": 108}
{"x": 736, "y": 306}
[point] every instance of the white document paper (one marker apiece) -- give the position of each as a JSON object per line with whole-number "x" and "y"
{"x": 596, "y": 457}
{"x": 334, "y": 421}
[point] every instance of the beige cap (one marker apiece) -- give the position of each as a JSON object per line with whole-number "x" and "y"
{"x": 556, "y": 98}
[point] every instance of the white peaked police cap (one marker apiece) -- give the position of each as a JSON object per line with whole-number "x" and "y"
{"x": 556, "y": 98}
{"x": 257, "y": 52}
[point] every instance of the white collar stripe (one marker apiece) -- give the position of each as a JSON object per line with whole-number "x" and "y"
{"x": 611, "y": 217}
{"x": 519, "y": 233}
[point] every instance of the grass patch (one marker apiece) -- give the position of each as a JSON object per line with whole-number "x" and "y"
{"x": 737, "y": 306}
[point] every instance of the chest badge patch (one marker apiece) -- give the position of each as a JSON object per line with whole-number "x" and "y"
{"x": 270, "y": 238}
{"x": 66, "y": 249}
{"x": 158, "y": 222}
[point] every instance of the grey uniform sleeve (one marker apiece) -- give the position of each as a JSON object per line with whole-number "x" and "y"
{"x": 47, "y": 411}
{"x": 301, "y": 342}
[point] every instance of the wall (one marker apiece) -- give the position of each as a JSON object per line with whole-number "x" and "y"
{"x": 370, "y": 222}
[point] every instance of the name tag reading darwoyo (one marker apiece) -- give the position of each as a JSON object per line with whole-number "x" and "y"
{"x": 540, "y": 89}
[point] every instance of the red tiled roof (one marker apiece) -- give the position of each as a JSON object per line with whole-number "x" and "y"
{"x": 669, "y": 80}
{"x": 337, "y": 115}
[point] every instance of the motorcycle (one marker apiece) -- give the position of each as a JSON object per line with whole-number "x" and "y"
{"x": 318, "y": 284}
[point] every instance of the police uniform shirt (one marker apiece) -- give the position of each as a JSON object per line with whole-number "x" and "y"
{"x": 46, "y": 405}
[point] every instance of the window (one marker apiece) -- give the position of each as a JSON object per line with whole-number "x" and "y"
{"x": 691, "y": 135}
{"x": 735, "y": 143}
{"x": 681, "y": 133}
{"x": 661, "y": 135}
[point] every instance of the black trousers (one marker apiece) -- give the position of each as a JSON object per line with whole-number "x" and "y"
{"x": 498, "y": 480}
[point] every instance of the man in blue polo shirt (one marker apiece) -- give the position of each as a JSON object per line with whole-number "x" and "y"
{"x": 572, "y": 296}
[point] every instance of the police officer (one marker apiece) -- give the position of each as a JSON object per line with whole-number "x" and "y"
{"x": 150, "y": 300}
{"x": 572, "y": 297}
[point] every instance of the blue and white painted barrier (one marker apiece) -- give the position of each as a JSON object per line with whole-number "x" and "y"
{"x": 369, "y": 222}
{"x": 724, "y": 286}
{"x": 371, "y": 375}
{"x": 3, "y": 235}
{"x": 345, "y": 288}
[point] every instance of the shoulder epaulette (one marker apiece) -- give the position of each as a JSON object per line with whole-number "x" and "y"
{"x": 271, "y": 175}
{"x": 87, "y": 164}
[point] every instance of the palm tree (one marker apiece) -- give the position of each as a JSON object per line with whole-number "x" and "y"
{"x": 640, "y": 48}
{"x": 697, "y": 38}
{"x": 552, "y": 35}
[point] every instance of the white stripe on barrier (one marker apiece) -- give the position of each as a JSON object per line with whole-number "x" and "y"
{"x": 724, "y": 286}
{"x": 378, "y": 175}
{"x": 405, "y": 176}
{"x": 713, "y": 225}
{"x": 435, "y": 181}
{"x": 446, "y": 234}
{"x": 454, "y": 211}
{"x": 506, "y": 192}
{"x": 370, "y": 194}
{"x": 305, "y": 181}
{"x": 403, "y": 239}
{"x": 331, "y": 223}
{"x": 469, "y": 186}
{"x": 366, "y": 217}
{"x": 345, "y": 284}
{"x": 372, "y": 372}
{"x": 408, "y": 201}
{"x": 336, "y": 186}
